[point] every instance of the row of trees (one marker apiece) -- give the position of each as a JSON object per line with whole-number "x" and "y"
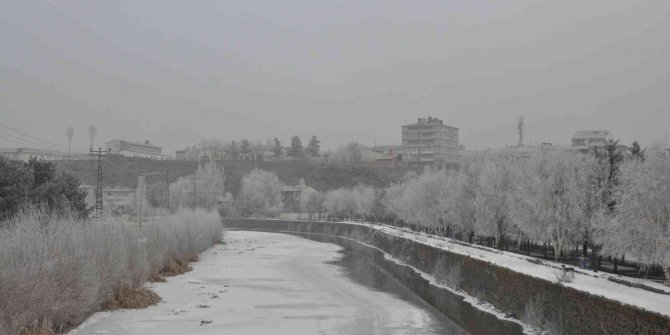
{"x": 611, "y": 202}
{"x": 604, "y": 202}
{"x": 204, "y": 189}
{"x": 348, "y": 153}
{"x": 261, "y": 194}
{"x": 236, "y": 150}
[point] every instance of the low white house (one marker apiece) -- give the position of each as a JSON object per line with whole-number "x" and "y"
{"x": 586, "y": 140}
{"x": 135, "y": 149}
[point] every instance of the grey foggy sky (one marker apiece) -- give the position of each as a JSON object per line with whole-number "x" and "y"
{"x": 174, "y": 72}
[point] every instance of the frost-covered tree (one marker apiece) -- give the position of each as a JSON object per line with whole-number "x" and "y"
{"x": 396, "y": 202}
{"x": 422, "y": 200}
{"x": 461, "y": 205}
{"x": 210, "y": 180}
{"x": 311, "y": 202}
{"x": 591, "y": 197}
{"x": 364, "y": 197}
{"x": 209, "y": 188}
{"x": 493, "y": 198}
{"x": 430, "y": 191}
{"x": 547, "y": 202}
{"x": 261, "y": 194}
{"x": 350, "y": 203}
{"x": 640, "y": 226}
{"x": 338, "y": 203}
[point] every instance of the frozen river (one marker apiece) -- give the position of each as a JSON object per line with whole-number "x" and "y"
{"x": 266, "y": 283}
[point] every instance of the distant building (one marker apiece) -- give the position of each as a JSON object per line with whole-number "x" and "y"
{"x": 429, "y": 141}
{"x": 522, "y": 152}
{"x": 187, "y": 154}
{"x": 383, "y": 155}
{"x": 25, "y": 154}
{"x": 587, "y": 140}
{"x": 214, "y": 155}
{"x": 196, "y": 154}
{"x": 114, "y": 199}
{"x": 135, "y": 149}
{"x": 291, "y": 195}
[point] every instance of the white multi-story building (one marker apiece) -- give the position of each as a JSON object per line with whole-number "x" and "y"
{"x": 429, "y": 141}
{"x": 135, "y": 149}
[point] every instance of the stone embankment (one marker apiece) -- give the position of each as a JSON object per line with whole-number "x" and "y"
{"x": 559, "y": 308}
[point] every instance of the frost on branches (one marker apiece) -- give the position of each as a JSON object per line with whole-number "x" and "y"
{"x": 640, "y": 224}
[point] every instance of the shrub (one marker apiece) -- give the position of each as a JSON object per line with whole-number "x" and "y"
{"x": 542, "y": 318}
{"x": 564, "y": 275}
{"x": 39, "y": 183}
{"x": 59, "y": 270}
{"x": 448, "y": 275}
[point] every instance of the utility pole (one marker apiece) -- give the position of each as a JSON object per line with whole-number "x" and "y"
{"x": 141, "y": 186}
{"x": 98, "y": 190}
{"x": 167, "y": 191}
{"x": 69, "y": 132}
{"x": 195, "y": 196}
{"x": 519, "y": 128}
{"x": 141, "y": 191}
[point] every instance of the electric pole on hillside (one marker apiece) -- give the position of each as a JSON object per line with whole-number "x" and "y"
{"x": 139, "y": 195}
{"x": 142, "y": 191}
{"x": 98, "y": 189}
{"x": 195, "y": 196}
{"x": 520, "y": 129}
{"x": 167, "y": 190}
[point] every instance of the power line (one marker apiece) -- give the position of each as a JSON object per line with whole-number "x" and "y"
{"x": 31, "y": 136}
{"x": 16, "y": 141}
{"x": 128, "y": 167}
{"x": 25, "y": 142}
{"x": 37, "y": 142}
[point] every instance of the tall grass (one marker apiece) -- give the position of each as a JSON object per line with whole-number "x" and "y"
{"x": 57, "y": 271}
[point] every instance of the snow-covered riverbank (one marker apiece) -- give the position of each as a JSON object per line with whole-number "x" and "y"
{"x": 262, "y": 283}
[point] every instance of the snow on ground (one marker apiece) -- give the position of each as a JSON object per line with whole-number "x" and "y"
{"x": 585, "y": 280}
{"x": 268, "y": 283}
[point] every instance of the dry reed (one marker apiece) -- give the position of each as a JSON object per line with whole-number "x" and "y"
{"x": 61, "y": 270}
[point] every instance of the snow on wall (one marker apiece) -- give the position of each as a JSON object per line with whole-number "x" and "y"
{"x": 591, "y": 304}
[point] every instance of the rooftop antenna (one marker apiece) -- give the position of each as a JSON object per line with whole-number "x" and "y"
{"x": 520, "y": 129}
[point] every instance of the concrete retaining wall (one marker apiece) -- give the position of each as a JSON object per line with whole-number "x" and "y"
{"x": 564, "y": 310}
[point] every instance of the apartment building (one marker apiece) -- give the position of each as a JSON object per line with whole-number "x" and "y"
{"x": 429, "y": 142}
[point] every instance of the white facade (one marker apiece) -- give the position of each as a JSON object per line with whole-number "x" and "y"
{"x": 135, "y": 149}
{"x": 586, "y": 140}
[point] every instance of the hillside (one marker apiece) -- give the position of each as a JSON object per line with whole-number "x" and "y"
{"x": 123, "y": 171}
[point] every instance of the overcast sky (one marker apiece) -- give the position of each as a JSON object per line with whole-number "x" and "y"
{"x": 174, "y": 72}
